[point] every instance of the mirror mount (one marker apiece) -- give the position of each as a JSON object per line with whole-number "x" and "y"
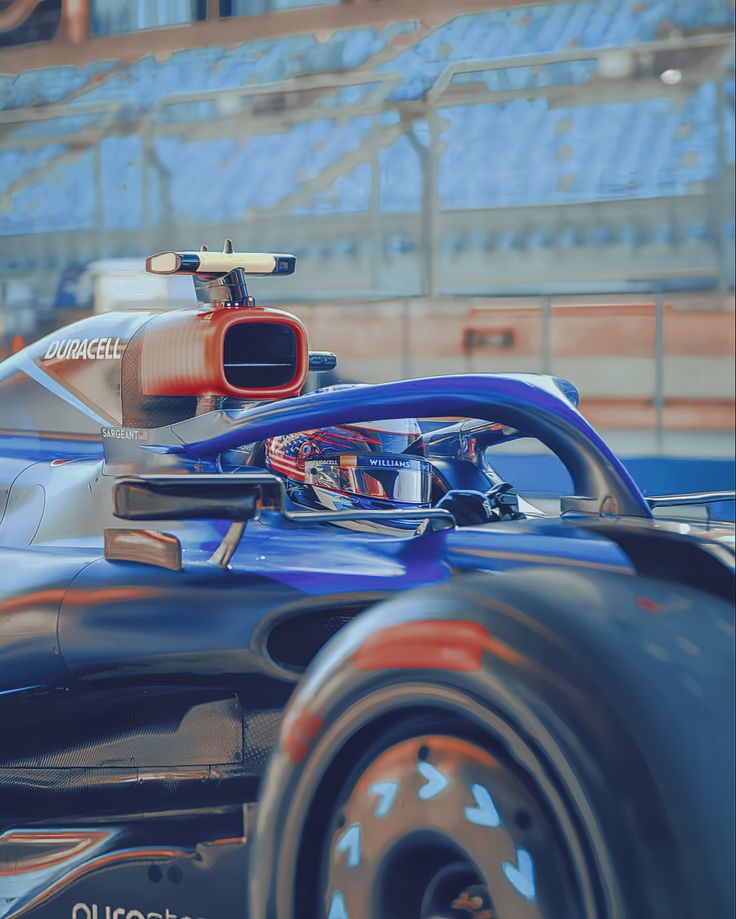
{"x": 230, "y": 542}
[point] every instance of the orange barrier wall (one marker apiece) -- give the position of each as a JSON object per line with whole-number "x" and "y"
{"x": 607, "y": 350}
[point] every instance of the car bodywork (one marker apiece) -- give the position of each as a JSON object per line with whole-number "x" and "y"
{"x": 144, "y": 668}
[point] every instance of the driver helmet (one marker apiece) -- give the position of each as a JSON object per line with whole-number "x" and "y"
{"x": 353, "y": 466}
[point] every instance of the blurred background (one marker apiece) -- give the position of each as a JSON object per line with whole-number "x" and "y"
{"x": 468, "y": 186}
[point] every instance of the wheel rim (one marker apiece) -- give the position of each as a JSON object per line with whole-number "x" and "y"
{"x": 435, "y": 827}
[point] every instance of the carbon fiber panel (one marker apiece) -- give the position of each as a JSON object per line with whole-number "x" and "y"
{"x": 260, "y": 732}
{"x": 207, "y": 733}
{"x": 141, "y": 411}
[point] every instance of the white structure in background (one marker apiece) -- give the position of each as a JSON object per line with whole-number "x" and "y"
{"x": 119, "y": 283}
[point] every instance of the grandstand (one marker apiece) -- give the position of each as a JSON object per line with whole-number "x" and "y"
{"x": 405, "y": 149}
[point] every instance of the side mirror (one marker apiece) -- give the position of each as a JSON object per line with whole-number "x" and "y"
{"x": 196, "y": 497}
{"x": 187, "y": 497}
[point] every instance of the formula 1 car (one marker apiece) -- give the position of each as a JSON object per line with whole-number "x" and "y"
{"x": 263, "y": 656}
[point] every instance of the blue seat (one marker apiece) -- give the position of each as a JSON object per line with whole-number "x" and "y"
{"x": 630, "y": 234}
{"x": 43, "y": 87}
{"x": 399, "y": 245}
{"x": 696, "y": 231}
{"x": 401, "y": 177}
{"x": 539, "y": 238}
{"x": 569, "y": 238}
{"x": 509, "y": 239}
{"x": 661, "y": 234}
{"x": 346, "y": 248}
{"x": 598, "y": 235}
{"x": 15, "y": 163}
{"x": 480, "y": 241}
{"x": 61, "y": 199}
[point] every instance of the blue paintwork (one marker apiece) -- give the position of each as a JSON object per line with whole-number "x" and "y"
{"x": 102, "y": 631}
{"x": 140, "y": 648}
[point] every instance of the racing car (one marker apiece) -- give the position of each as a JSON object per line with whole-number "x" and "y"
{"x": 280, "y": 654}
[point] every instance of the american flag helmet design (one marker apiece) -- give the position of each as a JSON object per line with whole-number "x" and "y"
{"x": 287, "y": 454}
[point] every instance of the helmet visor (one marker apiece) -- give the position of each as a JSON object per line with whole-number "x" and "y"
{"x": 386, "y": 477}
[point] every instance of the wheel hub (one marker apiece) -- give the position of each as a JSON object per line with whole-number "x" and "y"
{"x": 434, "y": 827}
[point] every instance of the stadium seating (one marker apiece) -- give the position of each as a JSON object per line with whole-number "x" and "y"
{"x": 51, "y": 85}
{"x": 518, "y": 153}
{"x": 62, "y": 198}
{"x": 539, "y": 29}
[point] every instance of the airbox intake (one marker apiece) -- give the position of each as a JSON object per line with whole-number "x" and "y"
{"x": 246, "y": 353}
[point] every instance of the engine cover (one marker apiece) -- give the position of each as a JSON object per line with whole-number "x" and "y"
{"x": 147, "y": 369}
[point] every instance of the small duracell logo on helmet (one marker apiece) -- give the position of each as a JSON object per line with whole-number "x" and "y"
{"x": 84, "y": 349}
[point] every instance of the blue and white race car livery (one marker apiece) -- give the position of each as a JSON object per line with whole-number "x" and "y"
{"x": 263, "y": 655}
